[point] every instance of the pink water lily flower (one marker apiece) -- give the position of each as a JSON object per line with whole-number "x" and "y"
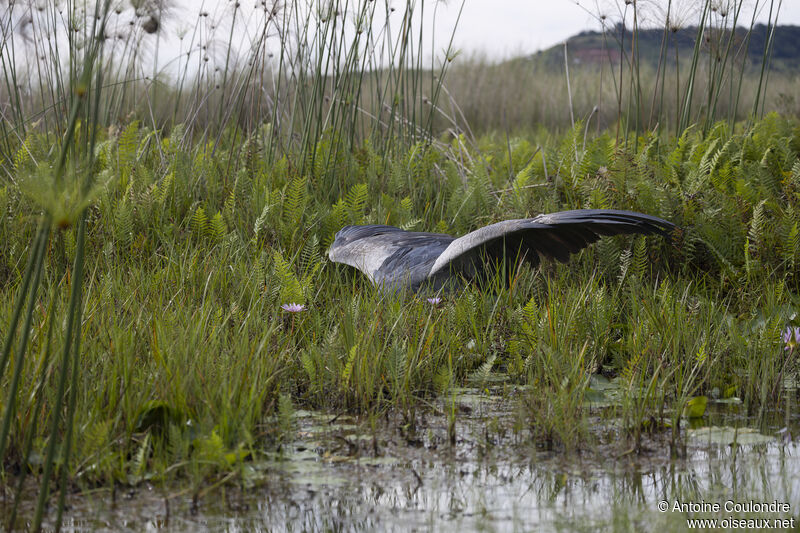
{"x": 293, "y": 308}
{"x": 791, "y": 338}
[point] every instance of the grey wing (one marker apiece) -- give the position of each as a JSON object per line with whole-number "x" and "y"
{"x": 555, "y": 235}
{"x": 390, "y": 257}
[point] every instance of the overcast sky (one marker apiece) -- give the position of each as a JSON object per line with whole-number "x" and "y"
{"x": 497, "y": 28}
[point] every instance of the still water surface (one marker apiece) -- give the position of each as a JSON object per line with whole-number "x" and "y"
{"x": 342, "y": 474}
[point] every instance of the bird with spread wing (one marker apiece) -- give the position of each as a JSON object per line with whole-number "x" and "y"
{"x": 395, "y": 259}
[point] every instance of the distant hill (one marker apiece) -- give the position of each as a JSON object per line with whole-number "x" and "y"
{"x": 592, "y": 47}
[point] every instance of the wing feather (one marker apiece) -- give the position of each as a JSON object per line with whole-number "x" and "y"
{"x": 555, "y": 235}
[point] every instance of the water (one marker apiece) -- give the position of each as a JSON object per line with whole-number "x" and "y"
{"x": 340, "y": 474}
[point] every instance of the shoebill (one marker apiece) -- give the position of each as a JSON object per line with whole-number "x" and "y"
{"x": 395, "y": 259}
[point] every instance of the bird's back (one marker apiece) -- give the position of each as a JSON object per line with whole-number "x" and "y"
{"x": 392, "y": 258}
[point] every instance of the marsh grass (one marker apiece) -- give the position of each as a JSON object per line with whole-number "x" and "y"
{"x": 186, "y": 352}
{"x": 629, "y": 90}
{"x": 533, "y": 97}
{"x": 153, "y": 346}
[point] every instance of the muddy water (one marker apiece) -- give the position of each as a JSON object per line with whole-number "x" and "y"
{"x": 344, "y": 474}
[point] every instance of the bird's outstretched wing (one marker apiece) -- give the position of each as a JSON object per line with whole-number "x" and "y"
{"x": 395, "y": 259}
{"x": 392, "y": 258}
{"x": 555, "y": 235}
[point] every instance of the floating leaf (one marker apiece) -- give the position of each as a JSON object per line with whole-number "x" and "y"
{"x": 725, "y": 435}
{"x": 696, "y": 407}
{"x": 236, "y": 456}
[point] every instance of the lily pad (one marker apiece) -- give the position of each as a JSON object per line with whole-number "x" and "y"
{"x": 726, "y": 435}
{"x": 602, "y": 392}
{"x": 599, "y": 382}
{"x": 696, "y": 407}
{"x": 732, "y": 400}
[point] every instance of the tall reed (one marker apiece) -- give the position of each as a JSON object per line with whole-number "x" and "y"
{"x": 63, "y": 194}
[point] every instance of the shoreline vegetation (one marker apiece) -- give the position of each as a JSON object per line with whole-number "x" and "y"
{"x": 166, "y": 304}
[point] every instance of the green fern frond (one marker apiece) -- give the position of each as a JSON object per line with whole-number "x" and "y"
{"x": 144, "y": 209}
{"x": 706, "y": 164}
{"x": 411, "y": 224}
{"x": 757, "y": 226}
{"x": 165, "y": 188}
{"x": 260, "y": 269}
{"x": 176, "y": 136}
{"x": 794, "y": 175}
{"x": 139, "y": 460}
{"x": 639, "y": 261}
{"x": 356, "y": 202}
{"x": 771, "y": 172}
{"x": 631, "y": 369}
{"x": 531, "y": 311}
{"x": 625, "y": 260}
{"x": 198, "y": 224}
{"x": 262, "y": 220}
{"x": 96, "y": 436}
{"x": 596, "y": 196}
{"x": 791, "y": 247}
{"x": 481, "y": 375}
{"x": 442, "y": 379}
{"x": 336, "y": 220}
{"x": 251, "y": 152}
{"x": 291, "y": 291}
{"x": 123, "y": 224}
{"x": 243, "y": 188}
{"x": 309, "y": 255}
{"x": 126, "y": 146}
{"x": 396, "y": 363}
{"x": 714, "y": 246}
{"x": 701, "y": 356}
{"x": 522, "y": 179}
{"x": 309, "y": 366}
{"x": 24, "y": 154}
{"x": 717, "y": 158}
{"x": 441, "y": 227}
{"x": 229, "y": 209}
{"x": 178, "y": 447}
{"x": 608, "y": 254}
{"x": 347, "y": 371}
{"x": 294, "y": 205}
{"x": 217, "y": 228}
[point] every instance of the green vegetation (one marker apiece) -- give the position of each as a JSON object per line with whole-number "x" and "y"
{"x": 153, "y": 345}
{"x": 185, "y": 344}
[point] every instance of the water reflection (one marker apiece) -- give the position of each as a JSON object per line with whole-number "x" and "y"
{"x": 331, "y": 480}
